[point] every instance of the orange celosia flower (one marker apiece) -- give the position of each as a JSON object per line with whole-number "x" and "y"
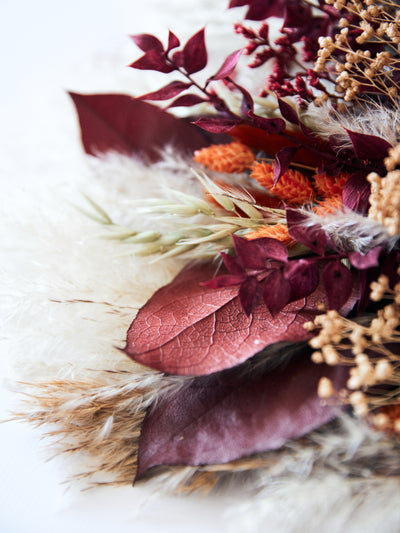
{"x": 230, "y": 158}
{"x": 328, "y": 186}
{"x": 329, "y": 205}
{"x": 293, "y": 187}
{"x": 278, "y": 232}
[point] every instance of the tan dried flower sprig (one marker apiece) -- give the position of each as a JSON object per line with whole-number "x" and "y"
{"x": 360, "y": 69}
{"x": 372, "y": 352}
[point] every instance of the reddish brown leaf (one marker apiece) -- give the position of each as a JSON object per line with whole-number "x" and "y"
{"x": 147, "y": 42}
{"x": 189, "y": 329}
{"x": 126, "y": 125}
{"x": 227, "y": 416}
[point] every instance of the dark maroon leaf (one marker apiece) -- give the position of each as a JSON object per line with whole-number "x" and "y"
{"x": 283, "y": 159}
{"x": 252, "y": 254}
{"x": 148, "y": 42}
{"x": 217, "y": 124}
{"x": 237, "y": 3}
{"x": 356, "y": 191}
{"x": 223, "y": 417}
{"x": 276, "y": 292}
{"x": 189, "y": 329}
{"x": 173, "y": 41}
{"x": 368, "y": 147}
{"x": 313, "y": 238}
{"x": 153, "y": 60}
{"x": 287, "y": 112}
{"x": 368, "y": 260}
{"x": 303, "y": 278}
{"x": 338, "y": 281}
{"x": 247, "y": 105}
{"x": 296, "y": 15}
{"x": 127, "y": 125}
{"x": 269, "y": 125}
{"x": 195, "y": 53}
{"x": 178, "y": 58}
{"x": 228, "y": 66}
{"x": 232, "y": 264}
{"x": 167, "y": 92}
{"x": 249, "y": 294}
{"x": 187, "y": 100}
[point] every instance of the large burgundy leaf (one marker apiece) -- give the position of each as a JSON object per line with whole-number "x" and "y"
{"x": 121, "y": 123}
{"x": 227, "y": 416}
{"x": 189, "y": 329}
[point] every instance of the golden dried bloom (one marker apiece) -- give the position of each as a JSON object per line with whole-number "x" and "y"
{"x": 325, "y": 388}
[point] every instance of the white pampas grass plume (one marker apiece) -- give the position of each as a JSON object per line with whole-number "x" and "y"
{"x": 370, "y": 120}
{"x": 351, "y": 231}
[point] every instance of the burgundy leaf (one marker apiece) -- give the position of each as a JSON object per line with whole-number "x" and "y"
{"x": 178, "y": 58}
{"x": 283, "y": 159}
{"x": 249, "y": 294}
{"x": 296, "y": 15}
{"x": 153, "y": 60}
{"x": 252, "y": 254}
{"x": 303, "y": 278}
{"x": 237, "y": 3}
{"x": 217, "y": 125}
{"x": 195, "y": 53}
{"x": 127, "y": 125}
{"x": 228, "y": 66}
{"x": 167, "y": 92}
{"x": 356, "y": 191}
{"x": 189, "y": 329}
{"x": 173, "y": 41}
{"x": 313, "y": 238}
{"x": 338, "y": 281}
{"x": 368, "y": 260}
{"x": 226, "y": 280}
{"x": 287, "y": 112}
{"x": 232, "y": 263}
{"x": 226, "y": 416}
{"x": 148, "y": 42}
{"x": 187, "y": 100}
{"x": 368, "y": 147}
{"x": 269, "y": 125}
{"x": 276, "y": 292}
{"x": 261, "y": 9}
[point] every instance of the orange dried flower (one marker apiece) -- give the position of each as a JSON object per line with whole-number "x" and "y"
{"x": 278, "y": 232}
{"x": 293, "y": 186}
{"x": 230, "y": 158}
{"x": 329, "y": 205}
{"x": 328, "y": 186}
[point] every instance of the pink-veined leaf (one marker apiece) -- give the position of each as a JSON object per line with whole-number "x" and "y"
{"x": 195, "y": 53}
{"x": 228, "y": 66}
{"x": 189, "y": 329}
{"x": 227, "y": 416}
{"x": 124, "y": 124}
{"x": 168, "y": 91}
